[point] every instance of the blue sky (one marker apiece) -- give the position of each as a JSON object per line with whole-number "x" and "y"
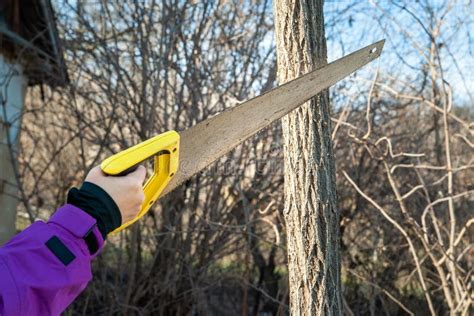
{"x": 403, "y": 27}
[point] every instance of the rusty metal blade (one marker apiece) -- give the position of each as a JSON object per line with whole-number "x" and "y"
{"x": 211, "y": 139}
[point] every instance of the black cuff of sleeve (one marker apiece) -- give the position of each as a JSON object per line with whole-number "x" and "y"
{"x": 93, "y": 200}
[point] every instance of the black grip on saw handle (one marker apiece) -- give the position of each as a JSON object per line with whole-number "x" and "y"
{"x": 127, "y": 171}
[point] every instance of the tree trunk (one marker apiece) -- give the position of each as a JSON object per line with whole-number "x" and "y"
{"x": 311, "y": 214}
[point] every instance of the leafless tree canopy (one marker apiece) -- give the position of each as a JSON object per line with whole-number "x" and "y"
{"x": 402, "y": 131}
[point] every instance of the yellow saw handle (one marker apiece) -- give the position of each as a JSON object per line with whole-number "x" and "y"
{"x": 165, "y": 150}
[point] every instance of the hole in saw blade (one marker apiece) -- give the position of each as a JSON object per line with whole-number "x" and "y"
{"x": 373, "y": 50}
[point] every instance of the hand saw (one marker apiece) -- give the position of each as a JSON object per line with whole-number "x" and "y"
{"x": 197, "y": 147}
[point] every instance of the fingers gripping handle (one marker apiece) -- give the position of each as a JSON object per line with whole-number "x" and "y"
{"x": 165, "y": 150}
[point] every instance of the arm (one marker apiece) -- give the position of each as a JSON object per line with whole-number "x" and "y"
{"x": 45, "y": 267}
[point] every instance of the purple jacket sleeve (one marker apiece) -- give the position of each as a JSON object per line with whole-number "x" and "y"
{"x": 46, "y": 266}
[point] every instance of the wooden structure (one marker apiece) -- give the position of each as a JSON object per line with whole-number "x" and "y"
{"x": 30, "y": 54}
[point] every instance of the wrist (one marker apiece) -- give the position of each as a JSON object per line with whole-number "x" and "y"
{"x": 96, "y": 202}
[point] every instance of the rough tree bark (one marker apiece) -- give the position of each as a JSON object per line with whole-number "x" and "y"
{"x": 311, "y": 214}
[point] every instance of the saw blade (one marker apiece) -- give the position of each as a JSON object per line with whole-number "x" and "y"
{"x": 207, "y": 141}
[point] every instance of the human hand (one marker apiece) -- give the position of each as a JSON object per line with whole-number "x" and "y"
{"x": 126, "y": 191}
